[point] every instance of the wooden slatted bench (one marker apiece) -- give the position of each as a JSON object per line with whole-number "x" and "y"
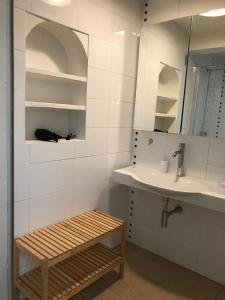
{"x": 70, "y": 256}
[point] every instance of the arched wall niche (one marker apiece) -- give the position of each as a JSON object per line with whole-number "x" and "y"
{"x": 55, "y": 47}
{"x": 56, "y": 78}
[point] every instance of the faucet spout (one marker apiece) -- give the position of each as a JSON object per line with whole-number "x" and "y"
{"x": 180, "y": 154}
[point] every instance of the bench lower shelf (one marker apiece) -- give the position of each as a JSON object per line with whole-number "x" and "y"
{"x": 72, "y": 275}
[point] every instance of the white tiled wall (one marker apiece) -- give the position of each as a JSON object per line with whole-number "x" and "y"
{"x": 55, "y": 181}
{"x": 195, "y": 238}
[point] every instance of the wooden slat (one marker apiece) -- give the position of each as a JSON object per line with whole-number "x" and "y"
{"x": 69, "y": 277}
{"x": 101, "y": 224}
{"x": 118, "y": 221}
{"x": 59, "y": 241}
{"x": 29, "y": 249}
{"x": 102, "y": 218}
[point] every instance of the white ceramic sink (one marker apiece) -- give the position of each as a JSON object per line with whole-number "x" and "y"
{"x": 168, "y": 184}
{"x": 193, "y": 190}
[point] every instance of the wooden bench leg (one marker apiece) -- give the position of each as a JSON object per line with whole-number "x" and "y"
{"x": 44, "y": 279}
{"x": 122, "y": 249}
{"x": 16, "y": 291}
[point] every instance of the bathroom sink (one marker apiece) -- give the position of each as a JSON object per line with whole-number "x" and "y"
{"x": 165, "y": 184}
{"x": 193, "y": 190}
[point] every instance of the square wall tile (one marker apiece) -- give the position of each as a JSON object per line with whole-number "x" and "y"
{"x": 119, "y": 139}
{"x": 99, "y": 54}
{"x": 97, "y": 113}
{"x": 50, "y": 177}
{"x": 117, "y": 161}
{"x": 43, "y": 152}
{"x": 95, "y": 143}
{"x": 49, "y": 209}
{"x": 89, "y": 170}
{"x": 215, "y": 173}
{"x": 157, "y": 147}
{"x": 92, "y": 17}
{"x": 99, "y": 82}
{"x": 123, "y": 88}
{"x": 85, "y": 199}
{"x": 196, "y": 149}
{"x": 124, "y": 61}
{"x": 120, "y": 114}
{"x": 216, "y": 152}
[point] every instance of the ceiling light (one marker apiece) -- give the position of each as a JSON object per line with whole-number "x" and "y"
{"x": 58, "y": 2}
{"x": 214, "y": 13}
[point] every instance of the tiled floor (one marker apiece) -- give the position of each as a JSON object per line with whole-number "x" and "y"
{"x": 150, "y": 277}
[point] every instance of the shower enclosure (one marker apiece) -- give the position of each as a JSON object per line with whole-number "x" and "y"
{"x": 6, "y": 157}
{"x": 204, "y": 103}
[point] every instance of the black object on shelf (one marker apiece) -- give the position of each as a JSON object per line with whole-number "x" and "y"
{"x": 49, "y": 136}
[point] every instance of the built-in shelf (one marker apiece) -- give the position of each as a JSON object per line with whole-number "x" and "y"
{"x": 56, "y": 79}
{"x": 167, "y": 98}
{"x": 54, "y": 105}
{"x": 37, "y": 142}
{"x": 38, "y": 73}
{"x": 165, "y": 116}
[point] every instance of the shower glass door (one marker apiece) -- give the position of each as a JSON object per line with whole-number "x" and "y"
{"x": 6, "y": 162}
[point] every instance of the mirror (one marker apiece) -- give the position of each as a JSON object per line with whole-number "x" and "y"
{"x": 204, "y": 104}
{"x": 161, "y": 76}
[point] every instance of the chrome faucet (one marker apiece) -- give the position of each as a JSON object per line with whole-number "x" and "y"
{"x": 180, "y": 153}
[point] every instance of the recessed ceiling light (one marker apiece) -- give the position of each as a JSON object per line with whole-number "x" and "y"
{"x": 58, "y": 2}
{"x": 214, "y": 13}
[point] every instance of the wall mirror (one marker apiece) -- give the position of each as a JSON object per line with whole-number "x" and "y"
{"x": 204, "y": 106}
{"x": 181, "y": 77}
{"x": 161, "y": 76}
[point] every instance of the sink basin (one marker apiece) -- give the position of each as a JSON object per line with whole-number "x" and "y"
{"x": 168, "y": 184}
{"x": 192, "y": 190}
{"x": 164, "y": 184}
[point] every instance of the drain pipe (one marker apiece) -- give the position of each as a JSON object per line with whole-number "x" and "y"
{"x": 166, "y": 213}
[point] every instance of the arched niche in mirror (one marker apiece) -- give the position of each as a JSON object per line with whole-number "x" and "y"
{"x": 169, "y": 83}
{"x": 167, "y": 100}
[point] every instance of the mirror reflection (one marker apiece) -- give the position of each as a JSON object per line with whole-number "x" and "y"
{"x": 161, "y": 76}
{"x": 204, "y": 107}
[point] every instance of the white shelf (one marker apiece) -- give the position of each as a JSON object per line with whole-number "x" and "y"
{"x": 167, "y": 98}
{"x": 54, "y": 105}
{"x": 38, "y": 73}
{"x": 165, "y": 116}
{"x": 61, "y": 141}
